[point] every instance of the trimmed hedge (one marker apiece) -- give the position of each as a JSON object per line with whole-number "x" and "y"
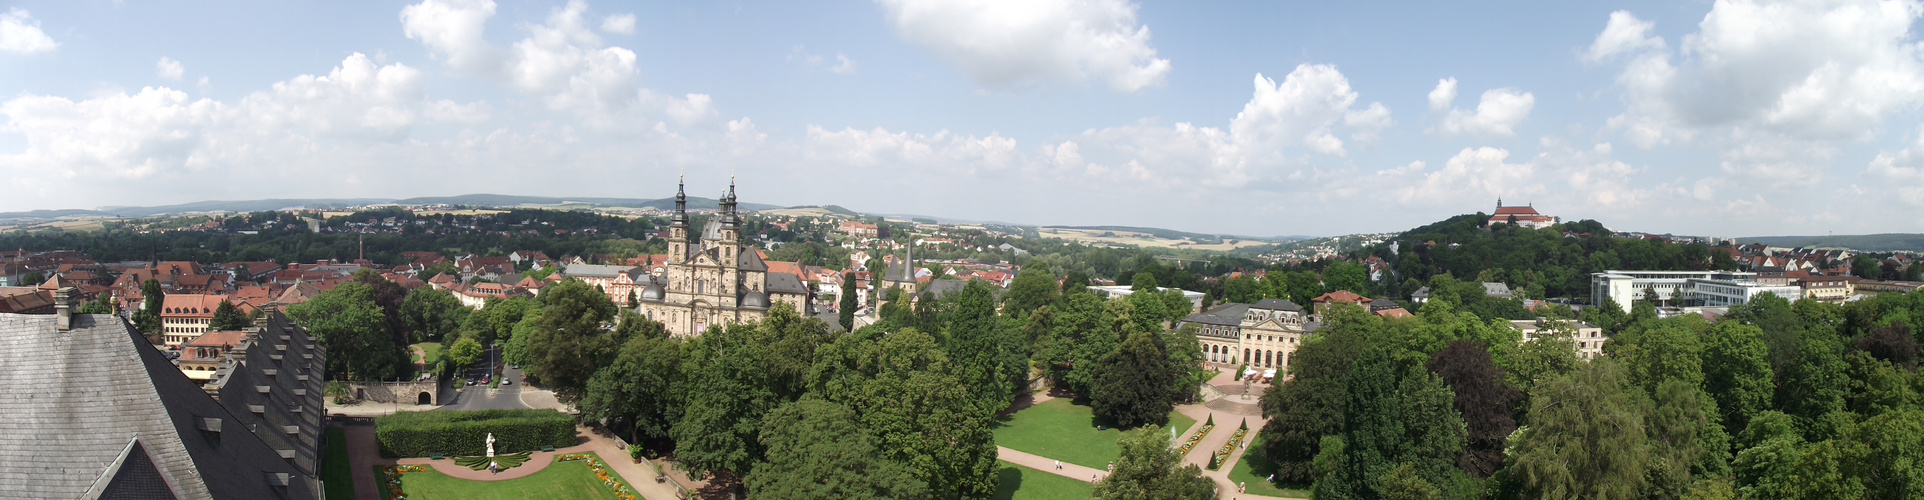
{"x": 465, "y": 433}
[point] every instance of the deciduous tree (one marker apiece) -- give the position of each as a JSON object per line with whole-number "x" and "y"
{"x": 1133, "y": 387}
{"x": 1148, "y": 468}
{"x": 818, "y": 450}
{"x": 1485, "y": 400}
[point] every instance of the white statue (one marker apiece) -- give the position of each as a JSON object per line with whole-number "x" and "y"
{"x": 490, "y": 445}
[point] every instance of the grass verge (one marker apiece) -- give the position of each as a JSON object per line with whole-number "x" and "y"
{"x": 1061, "y": 430}
{"x": 1015, "y": 482}
{"x": 335, "y": 471}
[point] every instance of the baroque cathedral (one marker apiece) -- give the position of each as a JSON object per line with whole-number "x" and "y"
{"x": 711, "y": 281}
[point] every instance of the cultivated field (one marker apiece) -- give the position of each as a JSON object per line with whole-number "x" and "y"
{"x": 1097, "y": 236}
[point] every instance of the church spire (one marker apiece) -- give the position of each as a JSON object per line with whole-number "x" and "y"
{"x": 680, "y": 218}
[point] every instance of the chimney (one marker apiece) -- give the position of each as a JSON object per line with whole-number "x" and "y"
{"x": 63, "y": 308}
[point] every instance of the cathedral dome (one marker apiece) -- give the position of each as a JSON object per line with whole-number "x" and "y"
{"x": 652, "y": 294}
{"x": 755, "y": 300}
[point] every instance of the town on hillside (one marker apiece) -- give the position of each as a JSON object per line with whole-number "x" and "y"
{"x": 294, "y": 333}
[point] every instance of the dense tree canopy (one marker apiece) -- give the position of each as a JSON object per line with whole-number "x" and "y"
{"x": 818, "y": 450}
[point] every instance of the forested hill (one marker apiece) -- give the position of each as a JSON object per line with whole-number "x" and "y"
{"x": 1537, "y": 263}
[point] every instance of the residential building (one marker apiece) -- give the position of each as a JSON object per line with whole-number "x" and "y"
{"x": 185, "y": 317}
{"x": 201, "y": 357}
{"x": 1588, "y": 339}
{"x": 858, "y": 229}
{"x": 1874, "y": 287}
{"x": 1324, "y": 301}
{"x": 1833, "y": 289}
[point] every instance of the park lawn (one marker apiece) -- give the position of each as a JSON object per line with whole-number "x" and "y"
{"x": 335, "y": 470}
{"x": 571, "y": 480}
{"x": 430, "y": 351}
{"x": 1252, "y": 469}
{"x": 1015, "y": 482}
{"x": 1061, "y": 430}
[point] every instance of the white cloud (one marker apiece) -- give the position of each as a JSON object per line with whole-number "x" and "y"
{"x": 1623, "y": 34}
{"x": 1903, "y": 171}
{"x": 1443, "y": 95}
{"x": 561, "y": 60}
{"x": 811, "y": 61}
{"x": 20, "y": 33}
{"x": 169, "y": 68}
{"x": 452, "y": 29}
{"x": 1029, "y": 43}
{"x": 621, "y": 24}
{"x": 941, "y": 151}
{"x": 1301, "y": 111}
{"x": 1497, "y": 114}
{"x": 1771, "y": 71}
{"x": 449, "y": 111}
{"x": 846, "y": 66}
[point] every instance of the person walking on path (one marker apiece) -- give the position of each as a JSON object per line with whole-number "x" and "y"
{"x": 1058, "y": 465}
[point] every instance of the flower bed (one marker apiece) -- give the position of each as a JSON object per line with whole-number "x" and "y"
{"x": 1191, "y": 443}
{"x": 622, "y": 490}
{"x": 1222, "y": 455}
{"x": 390, "y": 478}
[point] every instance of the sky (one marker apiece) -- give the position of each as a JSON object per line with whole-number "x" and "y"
{"x": 1728, "y": 118}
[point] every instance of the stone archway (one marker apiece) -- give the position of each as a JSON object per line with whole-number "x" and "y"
{"x": 424, "y": 399}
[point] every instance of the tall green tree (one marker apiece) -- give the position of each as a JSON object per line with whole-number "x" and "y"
{"x": 465, "y": 352}
{"x": 988, "y": 354}
{"x": 227, "y": 318}
{"x": 1586, "y": 437}
{"x": 818, "y": 450}
{"x": 636, "y": 394}
{"x": 1397, "y": 416}
{"x": 1310, "y": 403}
{"x": 903, "y": 388}
{"x": 1084, "y": 333}
{"x": 571, "y": 342}
{"x": 1737, "y": 374}
{"x": 1133, "y": 387}
{"x": 1149, "y": 469}
{"x": 429, "y": 315}
{"x": 1347, "y": 275}
{"x": 732, "y": 376}
{"x": 147, "y": 319}
{"x": 1033, "y": 288}
{"x": 848, "y": 302}
{"x": 351, "y": 327}
{"x": 1144, "y": 281}
{"x": 1243, "y": 289}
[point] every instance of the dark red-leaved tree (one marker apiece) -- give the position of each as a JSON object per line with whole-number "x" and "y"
{"x": 1892, "y": 343}
{"x": 1485, "y": 400}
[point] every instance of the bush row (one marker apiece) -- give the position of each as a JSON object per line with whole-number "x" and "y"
{"x": 465, "y": 433}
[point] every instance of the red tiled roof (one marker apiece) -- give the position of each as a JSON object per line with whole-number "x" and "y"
{"x": 175, "y": 305}
{"x": 1517, "y": 211}
{"x": 1341, "y": 296}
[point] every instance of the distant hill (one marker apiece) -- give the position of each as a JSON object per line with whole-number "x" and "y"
{"x": 46, "y": 214}
{"x": 491, "y": 200}
{"x": 1172, "y": 234}
{"x": 1886, "y": 242}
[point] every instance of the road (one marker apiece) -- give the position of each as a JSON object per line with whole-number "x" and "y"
{"x": 479, "y": 397}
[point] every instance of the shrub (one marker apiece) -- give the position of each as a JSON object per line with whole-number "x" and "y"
{"x": 465, "y": 433}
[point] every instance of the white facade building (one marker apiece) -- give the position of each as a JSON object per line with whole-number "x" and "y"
{"x": 1711, "y": 288}
{"x": 1732, "y": 293}
{"x": 1120, "y": 291}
